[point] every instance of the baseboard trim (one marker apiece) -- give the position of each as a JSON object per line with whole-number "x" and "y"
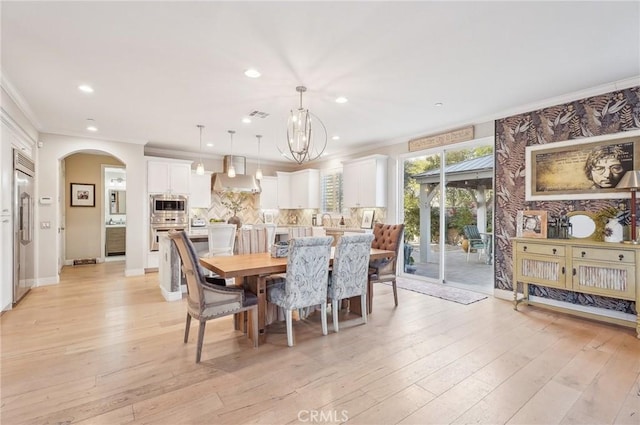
{"x": 46, "y": 281}
{"x": 171, "y": 296}
{"x": 133, "y": 272}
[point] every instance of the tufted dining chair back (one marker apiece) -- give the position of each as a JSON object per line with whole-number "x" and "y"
{"x": 387, "y": 237}
{"x": 350, "y": 272}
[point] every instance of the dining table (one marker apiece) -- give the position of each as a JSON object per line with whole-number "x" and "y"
{"x": 254, "y": 269}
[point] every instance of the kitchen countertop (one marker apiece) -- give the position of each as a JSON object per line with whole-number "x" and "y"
{"x": 112, "y": 226}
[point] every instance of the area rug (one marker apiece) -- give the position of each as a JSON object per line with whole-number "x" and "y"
{"x": 439, "y": 291}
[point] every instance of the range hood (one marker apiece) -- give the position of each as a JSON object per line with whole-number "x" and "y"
{"x": 240, "y": 183}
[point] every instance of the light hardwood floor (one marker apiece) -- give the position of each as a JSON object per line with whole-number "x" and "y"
{"x": 103, "y": 349}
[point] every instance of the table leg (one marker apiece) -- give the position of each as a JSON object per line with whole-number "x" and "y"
{"x": 355, "y": 304}
{"x": 258, "y": 286}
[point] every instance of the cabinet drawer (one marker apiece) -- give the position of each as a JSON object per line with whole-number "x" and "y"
{"x": 541, "y": 249}
{"x": 603, "y": 254}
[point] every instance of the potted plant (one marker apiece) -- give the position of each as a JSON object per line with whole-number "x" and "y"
{"x": 234, "y": 202}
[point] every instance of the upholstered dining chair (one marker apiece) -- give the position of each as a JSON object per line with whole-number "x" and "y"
{"x": 305, "y": 284}
{"x": 271, "y": 233}
{"x": 222, "y": 239}
{"x": 387, "y": 237}
{"x": 476, "y": 242}
{"x": 350, "y": 272}
{"x": 206, "y": 301}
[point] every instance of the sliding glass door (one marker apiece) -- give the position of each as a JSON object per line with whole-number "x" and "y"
{"x": 440, "y": 204}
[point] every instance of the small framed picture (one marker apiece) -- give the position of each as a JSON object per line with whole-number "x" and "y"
{"x": 83, "y": 195}
{"x": 531, "y": 224}
{"x": 367, "y": 219}
{"x": 268, "y": 217}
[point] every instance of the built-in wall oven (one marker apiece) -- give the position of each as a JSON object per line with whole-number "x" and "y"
{"x": 167, "y": 212}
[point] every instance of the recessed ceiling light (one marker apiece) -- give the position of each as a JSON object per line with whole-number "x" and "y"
{"x": 85, "y": 88}
{"x": 335, "y": 138}
{"x": 341, "y": 99}
{"x": 252, "y": 73}
{"x": 210, "y": 145}
{"x": 91, "y": 125}
{"x": 438, "y": 104}
{"x": 246, "y": 120}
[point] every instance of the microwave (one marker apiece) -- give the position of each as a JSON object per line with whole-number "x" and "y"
{"x": 168, "y": 204}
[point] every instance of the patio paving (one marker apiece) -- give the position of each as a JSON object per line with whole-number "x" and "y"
{"x": 474, "y": 275}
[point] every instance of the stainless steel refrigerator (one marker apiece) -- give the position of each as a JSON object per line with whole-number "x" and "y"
{"x": 23, "y": 210}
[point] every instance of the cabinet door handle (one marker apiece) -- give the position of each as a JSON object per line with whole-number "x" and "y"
{"x": 574, "y": 271}
{"x": 583, "y": 254}
{"x": 620, "y": 257}
{"x": 524, "y": 248}
{"x": 562, "y": 269}
{"x": 554, "y": 251}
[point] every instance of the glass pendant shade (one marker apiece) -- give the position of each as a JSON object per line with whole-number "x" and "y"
{"x": 259, "y": 169}
{"x": 200, "y": 166}
{"x": 231, "y": 172}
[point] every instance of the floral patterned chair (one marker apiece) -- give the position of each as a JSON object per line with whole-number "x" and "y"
{"x": 350, "y": 272}
{"x": 305, "y": 284}
{"x": 208, "y": 301}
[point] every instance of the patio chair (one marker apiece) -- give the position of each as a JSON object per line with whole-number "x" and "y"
{"x": 476, "y": 242}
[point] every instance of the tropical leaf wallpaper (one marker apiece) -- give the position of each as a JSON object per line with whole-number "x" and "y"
{"x": 610, "y": 113}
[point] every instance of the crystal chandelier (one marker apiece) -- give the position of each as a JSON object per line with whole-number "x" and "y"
{"x": 200, "y": 166}
{"x": 306, "y": 135}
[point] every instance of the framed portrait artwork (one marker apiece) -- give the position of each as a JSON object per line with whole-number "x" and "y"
{"x": 83, "y": 195}
{"x": 268, "y": 217}
{"x": 531, "y": 224}
{"x": 587, "y": 168}
{"x": 367, "y": 219}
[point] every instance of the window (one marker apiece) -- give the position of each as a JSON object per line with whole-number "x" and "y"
{"x": 331, "y": 190}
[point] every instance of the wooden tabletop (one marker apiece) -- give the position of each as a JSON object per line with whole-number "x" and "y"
{"x": 262, "y": 263}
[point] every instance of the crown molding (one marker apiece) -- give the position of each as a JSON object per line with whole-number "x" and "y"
{"x": 17, "y": 98}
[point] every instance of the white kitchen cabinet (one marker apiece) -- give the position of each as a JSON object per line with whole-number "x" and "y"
{"x": 299, "y": 189}
{"x": 284, "y": 190}
{"x": 165, "y": 176}
{"x": 365, "y": 182}
{"x": 200, "y": 196}
{"x": 269, "y": 193}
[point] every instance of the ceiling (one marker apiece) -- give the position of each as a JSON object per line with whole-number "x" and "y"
{"x": 161, "y": 68}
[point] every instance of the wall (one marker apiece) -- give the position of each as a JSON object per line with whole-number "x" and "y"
{"x": 609, "y": 113}
{"x": 84, "y": 224}
{"x": 17, "y": 131}
{"x": 56, "y": 148}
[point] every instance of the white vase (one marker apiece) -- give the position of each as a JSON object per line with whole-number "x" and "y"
{"x": 613, "y": 231}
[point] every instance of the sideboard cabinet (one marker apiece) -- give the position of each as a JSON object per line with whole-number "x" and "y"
{"x": 589, "y": 267}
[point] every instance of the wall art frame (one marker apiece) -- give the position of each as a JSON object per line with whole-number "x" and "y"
{"x": 367, "y": 219}
{"x": 83, "y": 195}
{"x": 558, "y": 171}
{"x": 531, "y": 224}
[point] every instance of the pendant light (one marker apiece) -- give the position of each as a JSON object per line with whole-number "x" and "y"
{"x": 304, "y": 142}
{"x": 200, "y": 166}
{"x": 259, "y": 170}
{"x": 231, "y": 172}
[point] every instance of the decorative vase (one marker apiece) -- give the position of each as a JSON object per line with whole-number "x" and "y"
{"x": 613, "y": 231}
{"x": 234, "y": 219}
